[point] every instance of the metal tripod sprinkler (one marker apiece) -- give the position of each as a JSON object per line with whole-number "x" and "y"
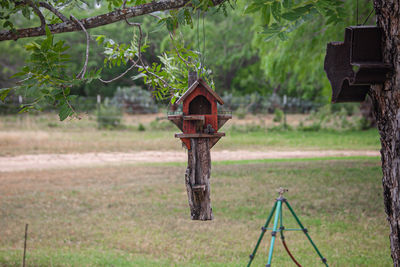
{"x": 277, "y": 209}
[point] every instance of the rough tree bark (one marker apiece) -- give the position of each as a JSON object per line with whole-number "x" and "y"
{"x": 386, "y": 101}
{"x": 197, "y": 179}
{"x": 198, "y": 172}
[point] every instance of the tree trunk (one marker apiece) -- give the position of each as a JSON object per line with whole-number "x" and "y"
{"x": 367, "y": 112}
{"x": 197, "y": 179}
{"x": 386, "y": 100}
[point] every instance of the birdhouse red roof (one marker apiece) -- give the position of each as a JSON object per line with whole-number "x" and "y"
{"x": 196, "y": 84}
{"x": 199, "y": 118}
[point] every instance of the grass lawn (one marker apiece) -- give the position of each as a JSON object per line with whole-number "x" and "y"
{"x": 137, "y": 215}
{"x": 44, "y": 134}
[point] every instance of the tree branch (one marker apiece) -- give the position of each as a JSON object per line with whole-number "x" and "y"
{"x": 173, "y": 43}
{"x": 187, "y": 63}
{"x": 134, "y": 63}
{"x": 82, "y": 73}
{"x": 53, "y": 10}
{"x": 119, "y": 76}
{"x": 69, "y": 104}
{"x": 38, "y": 13}
{"x": 100, "y": 20}
{"x": 124, "y": 4}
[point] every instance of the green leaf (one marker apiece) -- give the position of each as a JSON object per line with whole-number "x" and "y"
{"x": 283, "y": 36}
{"x": 196, "y": 3}
{"x": 26, "y": 12}
{"x": 18, "y": 74}
{"x": 170, "y": 24}
{"x": 160, "y": 25}
{"x": 181, "y": 16}
{"x": 274, "y": 28}
{"x": 9, "y": 24}
{"x": 65, "y": 111}
{"x": 48, "y": 32}
{"x": 287, "y": 3}
{"x": 3, "y": 93}
{"x": 25, "y": 109}
{"x": 32, "y": 46}
{"x": 297, "y": 12}
{"x": 252, "y": 8}
{"x": 276, "y": 11}
{"x": 67, "y": 91}
{"x": 188, "y": 18}
{"x": 140, "y": 75}
{"x": 100, "y": 39}
{"x": 266, "y": 14}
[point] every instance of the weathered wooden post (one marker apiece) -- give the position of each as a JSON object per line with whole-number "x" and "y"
{"x": 199, "y": 123}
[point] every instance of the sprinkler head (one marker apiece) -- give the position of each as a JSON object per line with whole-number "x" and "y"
{"x": 281, "y": 191}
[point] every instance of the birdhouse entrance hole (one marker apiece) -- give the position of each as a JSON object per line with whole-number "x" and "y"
{"x": 200, "y": 105}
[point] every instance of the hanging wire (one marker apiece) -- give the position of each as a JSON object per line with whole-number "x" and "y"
{"x": 198, "y": 33}
{"x": 203, "y": 55}
{"x": 357, "y": 15}
{"x": 370, "y": 13}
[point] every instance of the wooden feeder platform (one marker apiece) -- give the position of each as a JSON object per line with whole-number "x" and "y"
{"x": 354, "y": 65}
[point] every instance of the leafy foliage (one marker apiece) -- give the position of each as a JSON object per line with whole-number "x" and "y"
{"x": 109, "y": 116}
{"x": 44, "y": 77}
{"x": 167, "y": 77}
{"x": 235, "y": 62}
{"x": 282, "y": 17}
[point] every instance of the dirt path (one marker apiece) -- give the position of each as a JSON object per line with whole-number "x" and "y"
{"x": 53, "y": 161}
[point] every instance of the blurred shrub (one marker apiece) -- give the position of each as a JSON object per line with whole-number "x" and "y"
{"x": 349, "y": 108}
{"x": 134, "y": 100}
{"x": 109, "y": 116}
{"x": 314, "y": 127}
{"x": 241, "y": 113}
{"x": 278, "y": 115}
{"x": 141, "y": 128}
{"x": 246, "y": 128}
{"x": 162, "y": 125}
{"x": 85, "y": 104}
{"x": 364, "y": 124}
{"x": 333, "y": 117}
{"x": 280, "y": 128}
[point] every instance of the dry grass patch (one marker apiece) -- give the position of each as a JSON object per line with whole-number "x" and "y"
{"x": 138, "y": 215}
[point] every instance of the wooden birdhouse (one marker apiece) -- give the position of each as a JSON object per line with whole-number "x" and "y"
{"x": 199, "y": 121}
{"x": 200, "y": 117}
{"x": 354, "y": 65}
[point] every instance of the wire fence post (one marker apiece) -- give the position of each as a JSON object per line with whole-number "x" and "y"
{"x": 284, "y": 111}
{"x": 98, "y": 103}
{"x": 26, "y": 237}
{"x": 20, "y": 118}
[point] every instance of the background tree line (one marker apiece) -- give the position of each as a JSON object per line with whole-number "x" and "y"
{"x": 242, "y": 62}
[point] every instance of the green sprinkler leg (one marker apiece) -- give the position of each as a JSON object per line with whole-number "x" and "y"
{"x": 263, "y": 229}
{"x": 306, "y": 233}
{"x": 271, "y": 248}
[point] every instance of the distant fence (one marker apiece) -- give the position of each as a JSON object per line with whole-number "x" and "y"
{"x": 253, "y": 103}
{"x": 13, "y": 104}
{"x": 256, "y": 103}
